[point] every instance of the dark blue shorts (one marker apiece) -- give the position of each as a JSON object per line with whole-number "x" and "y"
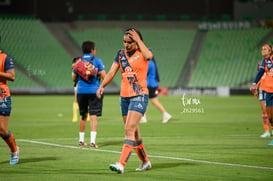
{"x": 269, "y": 99}
{"x": 138, "y": 103}
{"x": 90, "y": 103}
{"x": 5, "y": 106}
{"x": 152, "y": 92}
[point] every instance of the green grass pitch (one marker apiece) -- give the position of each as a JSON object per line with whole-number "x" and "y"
{"x": 209, "y": 138}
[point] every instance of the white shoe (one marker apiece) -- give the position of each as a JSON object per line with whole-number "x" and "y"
{"x": 144, "y": 166}
{"x": 143, "y": 119}
{"x": 117, "y": 167}
{"x": 14, "y": 159}
{"x": 166, "y": 118}
{"x": 265, "y": 135}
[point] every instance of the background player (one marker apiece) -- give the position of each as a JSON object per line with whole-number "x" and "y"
{"x": 133, "y": 64}
{"x": 152, "y": 83}
{"x": 261, "y": 94}
{"x": 7, "y": 73}
{"x": 86, "y": 94}
{"x": 267, "y": 69}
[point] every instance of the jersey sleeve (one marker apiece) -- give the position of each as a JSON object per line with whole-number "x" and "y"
{"x": 116, "y": 59}
{"x": 260, "y": 71}
{"x": 100, "y": 65}
{"x": 9, "y": 65}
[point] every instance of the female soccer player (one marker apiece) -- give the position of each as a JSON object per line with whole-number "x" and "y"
{"x": 261, "y": 94}
{"x": 266, "y": 67}
{"x": 7, "y": 73}
{"x": 133, "y": 64}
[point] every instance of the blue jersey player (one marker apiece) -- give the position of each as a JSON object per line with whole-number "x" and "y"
{"x": 88, "y": 102}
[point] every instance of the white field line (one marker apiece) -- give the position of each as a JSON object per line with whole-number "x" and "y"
{"x": 152, "y": 156}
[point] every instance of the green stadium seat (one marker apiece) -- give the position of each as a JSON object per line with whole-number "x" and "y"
{"x": 229, "y": 56}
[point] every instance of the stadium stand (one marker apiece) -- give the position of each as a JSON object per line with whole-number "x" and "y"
{"x": 22, "y": 82}
{"x": 35, "y": 49}
{"x": 228, "y": 58}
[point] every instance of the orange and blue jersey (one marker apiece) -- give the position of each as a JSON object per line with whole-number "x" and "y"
{"x": 6, "y": 64}
{"x": 266, "y": 67}
{"x": 133, "y": 73}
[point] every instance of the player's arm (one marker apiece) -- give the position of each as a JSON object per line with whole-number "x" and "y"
{"x": 9, "y": 72}
{"x": 258, "y": 77}
{"x": 108, "y": 78}
{"x": 74, "y": 77}
{"x": 102, "y": 75}
{"x": 10, "y": 75}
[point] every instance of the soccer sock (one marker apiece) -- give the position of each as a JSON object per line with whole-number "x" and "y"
{"x": 93, "y": 135}
{"x": 266, "y": 123}
{"x": 165, "y": 114}
{"x": 82, "y": 137}
{"x": 126, "y": 151}
{"x": 9, "y": 139}
{"x": 140, "y": 150}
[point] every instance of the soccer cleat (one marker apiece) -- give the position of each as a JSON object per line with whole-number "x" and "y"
{"x": 117, "y": 167}
{"x": 166, "y": 118}
{"x": 265, "y": 135}
{"x": 144, "y": 166}
{"x": 93, "y": 145}
{"x": 82, "y": 144}
{"x": 14, "y": 159}
{"x": 271, "y": 143}
{"x": 143, "y": 119}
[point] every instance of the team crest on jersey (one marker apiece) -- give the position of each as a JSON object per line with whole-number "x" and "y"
{"x": 128, "y": 69}
{"x": 136, "y": 56}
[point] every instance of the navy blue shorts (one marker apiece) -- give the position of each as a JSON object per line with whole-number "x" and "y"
{"x": 5, "y": 106}
{"x": 138, "y": 103}
{"x": 269, "y": 99}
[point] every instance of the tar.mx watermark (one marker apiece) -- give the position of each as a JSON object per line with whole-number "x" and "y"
{"x": 191, "y": 105}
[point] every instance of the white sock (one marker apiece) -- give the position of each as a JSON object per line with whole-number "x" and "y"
{"x": 81, "y": 136}
{"x": 93, "y": 135}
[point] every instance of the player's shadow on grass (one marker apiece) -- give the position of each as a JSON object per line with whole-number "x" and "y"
{"x": 31, "y": 160}
{"x": 111, "y": 143}
{"x": 170, "y": 165}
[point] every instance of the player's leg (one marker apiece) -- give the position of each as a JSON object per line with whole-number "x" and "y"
{"x": 94, "y": 104}
{"x": 6, "y": 135}
{"x": 165, "y": 115}
{"x": 83, "y": 107}
{"x": 262, "y": 98}
{"x": 269, "y": 109}
{"x": 266, "y": 134}
{"x": 133, "y": 110}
